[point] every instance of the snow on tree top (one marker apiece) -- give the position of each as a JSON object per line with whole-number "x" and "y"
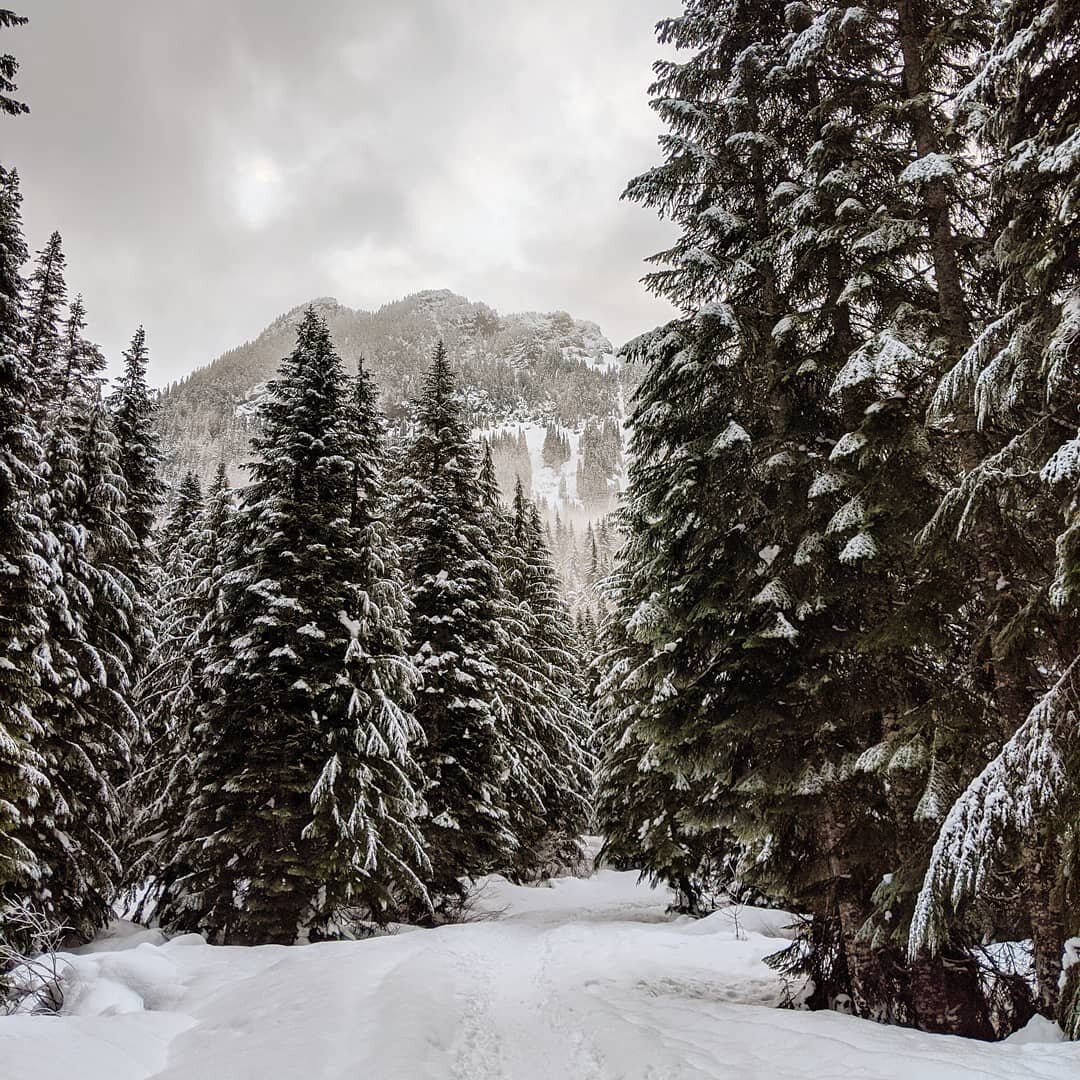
{"x": 851, "y": 515}
{"x": 929, "y": 167}
{"x": 881, "y": 358}
{"x": 825, "y": 484}
{"x": 808, "y": 547}
{"x": 730, "y": 436}
{"x": 1064, "y": 463}
{"x": 861, "y": 546}
{"x": 774, "y": 594}
{"x": 848, "y": 444}
{"x": 781, "y": 628}
{"x": 720, "y": 313}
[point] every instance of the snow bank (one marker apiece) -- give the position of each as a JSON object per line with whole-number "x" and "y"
{"x": 143, "y": 979}
{"x": 742, "y": 919}
{"x": 576, "y": 979}
{"x": 71, "y": 1048}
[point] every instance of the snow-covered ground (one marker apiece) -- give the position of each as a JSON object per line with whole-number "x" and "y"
{"x": 545, "y": 480}
{"x": 586, "y": 979}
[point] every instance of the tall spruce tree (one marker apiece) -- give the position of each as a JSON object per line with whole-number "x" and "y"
{"x": 179, "y": 608}
{"x": 176, "y": 688}
{"x": 540, "y": 690}
{"x": 454, "y": 586}
{"x": 183, "y": 518}
{"x": 881, "y": 279}
{"x": 1013, "y": 829}
{"x": 133, "y": 419}
{"x": 303, "y": 817}
{"x": 28, "y": 571}
{"x": 88, "y": 722}
{"x": 703, "y": 628}
{"x": 515, "y": 692}
{"x": 564, "y": 732}
{"x": 777, "y": 647}
{"x": 46, "y": 296}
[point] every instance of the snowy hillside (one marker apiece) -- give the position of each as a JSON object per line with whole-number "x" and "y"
{"x": 585, "y": 980}
{"x": 527, "y": 369}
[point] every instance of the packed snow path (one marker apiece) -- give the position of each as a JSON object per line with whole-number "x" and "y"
{"x": 586, "y": 980}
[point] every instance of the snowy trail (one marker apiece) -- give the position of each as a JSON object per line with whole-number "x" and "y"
{"x": 587, "y": 980}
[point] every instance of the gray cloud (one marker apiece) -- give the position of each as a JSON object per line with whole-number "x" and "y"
{"x": 211, "y": 165}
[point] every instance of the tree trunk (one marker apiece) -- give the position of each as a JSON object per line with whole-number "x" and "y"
{"x": 947, "y": 998}
{"x": 952, "y": 302}
{"x": 1047, "y": 921}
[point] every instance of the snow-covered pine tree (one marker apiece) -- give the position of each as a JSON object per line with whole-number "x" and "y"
{"x": 186, "y": 510}
{"x": 702, "y": 629}
{"x": 542, "y": 692}
{"x": 1019, "y": 385}
{"x": 175, "y": 688}
{"x": 760, "y": 605}
{"x": 87, "y": 720}
{"x": 454, "y": 587}
{"x": 388, "y": 794}
{"x": 640, "y": 807}
{"x": 867, "y": 224}
{"x": 25, "y": 560}
{"x": 179, "y": 610}
{"x": 133, "y": 420}
{"x": 132, "y": 408}
{"x": 519, "y": 701}
{"x": 566, "y": 734}
{"x": 302, "y": 819}
{"x": 46, "y": 297}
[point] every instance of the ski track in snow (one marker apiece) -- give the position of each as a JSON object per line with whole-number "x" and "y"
{"x": 585, "y": 980}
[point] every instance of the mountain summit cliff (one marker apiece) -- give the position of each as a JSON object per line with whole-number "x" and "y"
{"x": 524, "y": 369}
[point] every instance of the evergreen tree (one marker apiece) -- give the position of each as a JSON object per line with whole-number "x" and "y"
{"x": 775, "y": 647}
{"x": 28, "y": 571}
{"x": 518, "y": 699}
{"x": 304, "y": 756}
{"x": 9, "y": 66}
{"x": 88, "y": 722}
{"x": 133, "y": 413}
{"x": 689, "y": 654}
{"x": 176, "y": 687}
{"x": 556, "y": 448}
{"x": 183, "y": 518}
{"x": 873, "y": 211}
{"x": 565, "y": 733}
{"x": 179, "y": 607}
{"x": 46, "y": 297}
{"x": 539, "y": 689}
{"x": 454, "y": 587}
{"x": 1018, "y": 386}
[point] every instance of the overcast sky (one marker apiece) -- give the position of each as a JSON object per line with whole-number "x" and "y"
{"x": 211, "y": 164}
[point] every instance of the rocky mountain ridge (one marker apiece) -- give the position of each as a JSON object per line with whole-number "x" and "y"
{"x": 526, "y": 369}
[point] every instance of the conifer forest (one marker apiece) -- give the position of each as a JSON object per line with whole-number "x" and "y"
{"x": 525, "y": 685}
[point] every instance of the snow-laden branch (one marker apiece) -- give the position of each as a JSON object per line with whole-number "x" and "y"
{"x": 1025, "y": 782}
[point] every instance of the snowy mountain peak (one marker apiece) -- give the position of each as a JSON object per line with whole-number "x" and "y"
{"x": 528, "y": 369}
{"x": 327, "y": 306}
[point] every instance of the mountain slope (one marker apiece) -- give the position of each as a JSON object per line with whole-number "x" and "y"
{"x": 523, "y": 369}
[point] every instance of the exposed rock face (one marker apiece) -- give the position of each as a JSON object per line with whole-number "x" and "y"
{"x": 528, "y": 368}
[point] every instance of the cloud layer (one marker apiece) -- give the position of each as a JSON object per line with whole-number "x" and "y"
{"x": 211, "y": 165}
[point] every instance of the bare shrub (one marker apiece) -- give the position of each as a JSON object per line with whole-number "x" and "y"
{"x": 32, "y": 972}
